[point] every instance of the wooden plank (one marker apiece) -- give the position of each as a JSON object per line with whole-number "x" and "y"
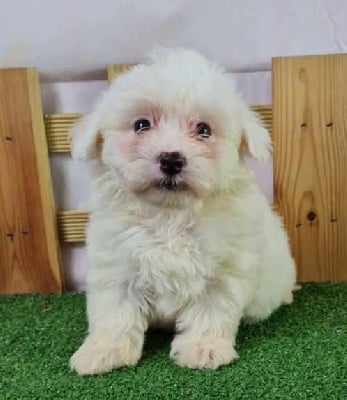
{"x": 29, "y": 257}
{"x": 58, "y": 125}
{"x": 310, "y": 161}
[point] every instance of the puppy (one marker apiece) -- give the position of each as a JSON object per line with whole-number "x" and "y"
{"x": 179, "y": 232}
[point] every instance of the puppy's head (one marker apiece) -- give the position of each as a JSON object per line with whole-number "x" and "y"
{"x": 172, "y": 129}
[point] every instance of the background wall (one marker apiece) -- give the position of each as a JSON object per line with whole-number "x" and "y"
{"x": 75, "y": 39}
{"x": 72, "y": 41}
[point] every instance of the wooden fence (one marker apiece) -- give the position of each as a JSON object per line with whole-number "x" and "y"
{"x": 308, "y": 123}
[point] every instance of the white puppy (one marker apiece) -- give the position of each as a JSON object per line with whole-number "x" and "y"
{"x": 179, "y": 233}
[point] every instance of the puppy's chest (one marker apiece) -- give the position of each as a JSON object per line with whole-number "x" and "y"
{"x": 175, "y": 255}
{"x": 168, "y": 239}
{"x": 171, "y": 268}
{"x": 177, "y": 234}
{"x": 176, "y": 264}
{"x": 185, "y": 236}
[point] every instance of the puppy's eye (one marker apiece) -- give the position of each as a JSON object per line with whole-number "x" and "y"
{"x": 142, "y": 125}
{"x": 203, "y": 130}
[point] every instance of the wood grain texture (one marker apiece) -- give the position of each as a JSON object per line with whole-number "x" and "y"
{"x": 310, "y": 161}
{"x": 29, "y": 257}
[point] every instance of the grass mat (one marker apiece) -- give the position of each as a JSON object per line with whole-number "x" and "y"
{"x": 299, "y": 353}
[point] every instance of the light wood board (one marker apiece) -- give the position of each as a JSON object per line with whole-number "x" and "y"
{"x": 29, "y": 256}
{"x": 310, "y": 161}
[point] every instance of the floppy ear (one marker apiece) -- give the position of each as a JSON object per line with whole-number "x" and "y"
{"x": 255, "y": 137}
{"x": 85, "y": 137}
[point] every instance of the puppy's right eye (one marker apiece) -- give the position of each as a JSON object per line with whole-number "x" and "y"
{"x": 142, "y": 125}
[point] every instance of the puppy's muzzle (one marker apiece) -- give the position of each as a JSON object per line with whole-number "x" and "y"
{"x": 172, "y": 163}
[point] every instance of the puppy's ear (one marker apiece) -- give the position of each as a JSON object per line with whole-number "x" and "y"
{"x": 85, "y": 138}
{"x": 255, "y": 138}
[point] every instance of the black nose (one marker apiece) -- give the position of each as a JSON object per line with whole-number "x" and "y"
{"x": 172, "y": 163}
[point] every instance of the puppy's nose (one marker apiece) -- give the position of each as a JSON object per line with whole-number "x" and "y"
{"x": 172, "y": 163}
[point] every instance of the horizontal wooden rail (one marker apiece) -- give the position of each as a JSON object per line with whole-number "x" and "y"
{"x": 72, "y": 225}
{"x": 58, "y": 125}
{"x": 57, "y": 128}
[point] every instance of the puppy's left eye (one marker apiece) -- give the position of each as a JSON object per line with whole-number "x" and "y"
{"x": 142, "y": 125}
{"x": 203, "y": 130}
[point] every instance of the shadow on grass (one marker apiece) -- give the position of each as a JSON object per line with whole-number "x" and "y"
{"x": 157, "y": 342}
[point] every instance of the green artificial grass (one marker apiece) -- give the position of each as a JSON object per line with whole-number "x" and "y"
{"x": 299, "y": 353}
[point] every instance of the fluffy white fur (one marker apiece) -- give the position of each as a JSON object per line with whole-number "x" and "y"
{"x": 201, "y": 258}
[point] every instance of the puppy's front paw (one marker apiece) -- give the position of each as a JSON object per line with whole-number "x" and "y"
{"x": 103, "y": 353}
{"x": 202, "y": 351}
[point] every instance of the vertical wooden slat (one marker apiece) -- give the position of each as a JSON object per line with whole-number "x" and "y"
{"x": 310, "y": 161}
{"x": 29, "y": 256}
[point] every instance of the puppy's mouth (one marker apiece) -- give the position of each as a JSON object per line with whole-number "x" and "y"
{"x": 170, "y": 184}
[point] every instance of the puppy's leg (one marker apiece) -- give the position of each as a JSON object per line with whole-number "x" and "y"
{"x": 208, "y": 327}
{"x": 116, "y": 332}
